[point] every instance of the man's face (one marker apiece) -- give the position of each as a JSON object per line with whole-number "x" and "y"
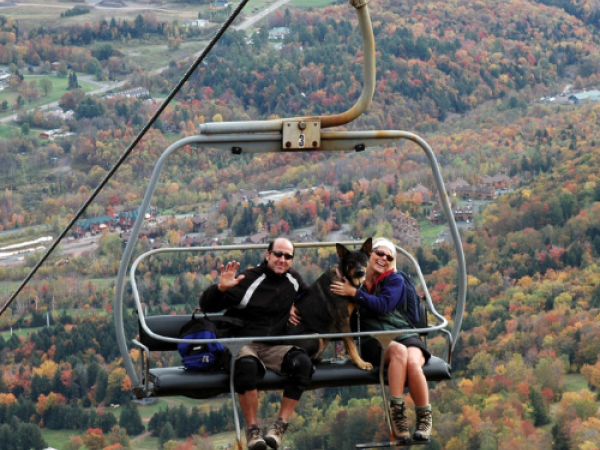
{"x": 280, "y": 264}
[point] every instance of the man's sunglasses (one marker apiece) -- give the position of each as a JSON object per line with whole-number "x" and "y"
{"x": 381, "y": 254}
{"x": 279, "y": 254}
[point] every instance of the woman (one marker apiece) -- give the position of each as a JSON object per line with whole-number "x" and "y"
{"x": 379, "y": 301}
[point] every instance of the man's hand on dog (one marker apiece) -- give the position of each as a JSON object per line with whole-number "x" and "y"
{"x": 343, "y": 288}
{"x": 228, "y": 278}
{"x": 295, "y": 317}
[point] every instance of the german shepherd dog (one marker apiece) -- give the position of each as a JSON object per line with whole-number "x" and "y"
{"x": 324, "y": 312}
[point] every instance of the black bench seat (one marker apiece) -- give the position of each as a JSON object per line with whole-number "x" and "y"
{"x": 173, "y": 381}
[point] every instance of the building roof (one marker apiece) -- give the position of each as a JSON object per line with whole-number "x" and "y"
{"x": 592, "y": 95}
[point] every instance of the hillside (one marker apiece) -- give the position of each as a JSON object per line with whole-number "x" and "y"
{"x": 466, "y": 75}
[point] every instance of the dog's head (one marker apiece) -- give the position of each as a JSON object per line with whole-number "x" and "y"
{"x": 353, "y": 263}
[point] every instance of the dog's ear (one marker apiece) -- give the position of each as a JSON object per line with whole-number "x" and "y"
{"x": 367, "y": 246}
{"x": 341, "y": 251}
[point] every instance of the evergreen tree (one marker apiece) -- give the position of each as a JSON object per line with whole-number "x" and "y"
{"x": 130, "y": 419}
{"x": 107, "y": 421}
{"x": 561, "y": 437}
{"x": 540, "y": 409}
{"x": 24, "y": 409}
{"x": 574, "y": 255}
{"x": 166, "y": 434}
{"x": 194, "y": 422}
{"x": 29, "y": 437}
{"x": 101, "y": 386}
{"x": 8, "y": 437}
{"x": 595, "y": 300}
{"x": 39, "y": 385}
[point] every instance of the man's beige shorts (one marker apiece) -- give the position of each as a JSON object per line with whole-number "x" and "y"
{"x": 270, "y": 356}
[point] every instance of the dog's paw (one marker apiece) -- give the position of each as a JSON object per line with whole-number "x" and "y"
{"x": 365, "y": 366}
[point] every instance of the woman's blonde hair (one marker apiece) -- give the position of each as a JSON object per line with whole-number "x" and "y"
{"x": 383, "y": 242}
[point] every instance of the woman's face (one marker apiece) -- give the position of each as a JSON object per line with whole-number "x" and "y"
{"x": 379, "y": 260}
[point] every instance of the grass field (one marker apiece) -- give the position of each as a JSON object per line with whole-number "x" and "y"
{"x": 58, "y": 439}
{"x": 9, "y": 130}
{"x": 49, "y": 14}
{"x": 59, "y": 87}
{"x": 19, "y": 332}
{"x": 430, "y": 233}
{"x": 574, "y": 382}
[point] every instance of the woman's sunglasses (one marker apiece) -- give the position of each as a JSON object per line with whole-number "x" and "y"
{"x": 279, "y": 254}
{"x": 381, "y": 254}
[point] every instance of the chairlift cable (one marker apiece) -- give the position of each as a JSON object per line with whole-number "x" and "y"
{"x": 124, "y": 156}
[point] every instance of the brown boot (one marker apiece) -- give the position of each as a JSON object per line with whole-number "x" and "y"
{"x": 254, "y": 439}
{"x": 424, "y": 425}
{"x": 275, "y": 433}
{"x": 399, "y": 421}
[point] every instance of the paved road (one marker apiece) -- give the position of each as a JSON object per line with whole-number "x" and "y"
{"x": 260, "y": 15}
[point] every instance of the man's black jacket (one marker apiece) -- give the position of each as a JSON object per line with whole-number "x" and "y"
{"x": 262, "y": 300}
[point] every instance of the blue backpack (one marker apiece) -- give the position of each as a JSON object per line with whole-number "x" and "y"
{"x": 201, "y": 357}
{"x": 411, "y": 307}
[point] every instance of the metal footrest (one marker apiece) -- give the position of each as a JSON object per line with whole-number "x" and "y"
{"x": 391, "y": 444}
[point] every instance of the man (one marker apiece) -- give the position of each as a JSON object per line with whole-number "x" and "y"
{"x": 262, "y": 297}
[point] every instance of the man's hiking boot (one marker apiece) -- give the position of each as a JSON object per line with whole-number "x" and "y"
{"x": 399, "y": 421}
{"x": 424, "y": 426}
{"x": 275, "y": 433}
{"x": 254, "y": 439}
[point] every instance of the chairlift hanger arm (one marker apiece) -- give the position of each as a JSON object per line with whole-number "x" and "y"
{"x": 363, "y": 102}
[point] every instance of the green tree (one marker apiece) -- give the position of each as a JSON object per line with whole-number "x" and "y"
{"x": 63, "y": 70}
{"x": 8, "y": 436}
{"x": 30, "y": 437}
{"x": 540, "y": 409}
{"x": 89, "y": 108}
{"x": 166, "y": 434}
{"x": 101, "y": 385}
{"x": 46, "y": 86}
{"x": 93, "y": 66}
{"x": 130, "y": 419}
{"x": 107, "y": 421}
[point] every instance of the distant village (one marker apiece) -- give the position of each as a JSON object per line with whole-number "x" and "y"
{"x": 407, "y": 231}
{"x": 570, "y": 96}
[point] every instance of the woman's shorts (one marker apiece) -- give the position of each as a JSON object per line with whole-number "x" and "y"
{"x": 371, "y": 349}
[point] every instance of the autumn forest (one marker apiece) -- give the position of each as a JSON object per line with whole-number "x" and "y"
{"x": 473, "y": 78}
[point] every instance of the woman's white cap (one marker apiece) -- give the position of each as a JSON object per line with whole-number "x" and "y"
{"x": 383, "y": 242}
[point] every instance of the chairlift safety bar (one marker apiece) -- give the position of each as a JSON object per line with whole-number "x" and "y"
{"x": 141, "y": 316}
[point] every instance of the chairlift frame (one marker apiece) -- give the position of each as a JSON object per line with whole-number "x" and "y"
{"x": 281, "y": 136}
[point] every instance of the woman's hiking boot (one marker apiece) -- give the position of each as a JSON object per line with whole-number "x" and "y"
{"x": 424, "y": 425}
{"x": 399, "y": 421}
